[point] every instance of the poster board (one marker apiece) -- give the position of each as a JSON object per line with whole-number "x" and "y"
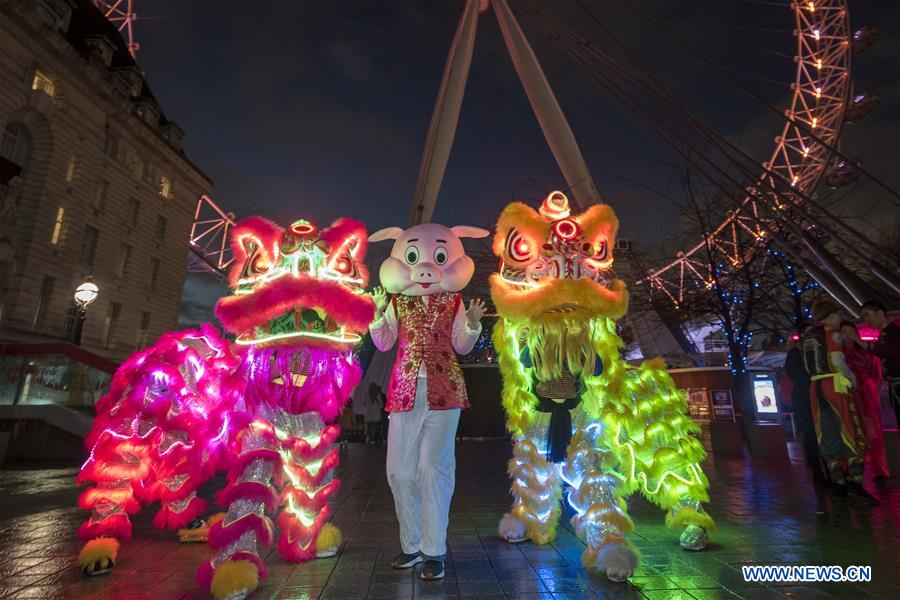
{"x": 722, "y": 405}
{"x": 698, "y": 404}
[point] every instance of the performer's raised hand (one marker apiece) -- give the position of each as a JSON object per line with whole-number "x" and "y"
{"x": 475, "y": 312}
{"x": 381, "y": 301}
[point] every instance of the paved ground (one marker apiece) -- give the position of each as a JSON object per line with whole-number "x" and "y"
{"x": 765, "y": 509}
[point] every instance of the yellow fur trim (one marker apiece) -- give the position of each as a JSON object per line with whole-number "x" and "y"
{"x": 329, "y": 538}
{"x": 216, "y": 518}
{"x": 583, "y": 298}
{"x": 98, "y": 549}
{"x": 688, "y": 516}
{"x": 232, "y": 576}
{"x": 527, "y": 221}
{"x": 541, "y": 535}
{"x": 600, "y": 221}
{"x": 609, "y": 515}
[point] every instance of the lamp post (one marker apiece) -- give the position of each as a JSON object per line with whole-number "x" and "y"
{"x": 85, "y": 293}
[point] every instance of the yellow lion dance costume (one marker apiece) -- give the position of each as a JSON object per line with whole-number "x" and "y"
{"x": 578, "y": 413}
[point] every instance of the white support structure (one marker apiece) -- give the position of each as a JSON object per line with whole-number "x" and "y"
{"x": 445, "y": 117}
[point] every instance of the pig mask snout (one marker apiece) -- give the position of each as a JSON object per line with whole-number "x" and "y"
{"x": 425, "y": 274}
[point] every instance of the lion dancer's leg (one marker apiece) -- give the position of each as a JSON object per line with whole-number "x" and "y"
{"x": 307, "y": 474}
{"x": 536, "y": 489}
{"x": 673, "y": 480}
{"x": 181, "y": 508}
{"x": 600, "y": 519}
{"x": 236, "y": 568}
{"x": 116, "y": 465}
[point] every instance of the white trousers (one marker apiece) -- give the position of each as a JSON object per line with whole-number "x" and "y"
{"x": 421, "y": 470}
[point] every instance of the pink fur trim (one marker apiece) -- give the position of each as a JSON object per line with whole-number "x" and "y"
{"x": 268, "y": 233}
{"x": 221, "y": 536}
{"x": 236, "y": 468}
{"x": 203, "y": 578}
{"x": 302, "y": 535}
{"x": 293, "y": 553}
{"x": 166, "y": 518}
{"x": 250, "y": 490}
{"x": 344, "y": 228}
{"x": 317, "y": 500}
{"x": 306, "y": 451}
{"x": 241, "y": 313}
{"x": 117, "y": 526}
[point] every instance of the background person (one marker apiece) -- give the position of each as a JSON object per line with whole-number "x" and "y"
{"x": 838, "y": 424}
{"x": 887, "y": 348}
{"x": 796, "y": 372}
{"x": 867, "y": 369}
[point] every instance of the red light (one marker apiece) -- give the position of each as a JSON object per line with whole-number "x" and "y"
{"x": 303, "y": 227}
{"x": 343, "y": 266}
{"x": 567, "y": 229}
{"x": 795, "y": 337}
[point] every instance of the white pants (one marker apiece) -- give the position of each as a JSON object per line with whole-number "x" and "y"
{"x": 421, "y": 470}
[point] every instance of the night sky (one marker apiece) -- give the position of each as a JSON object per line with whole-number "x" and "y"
{"x": 318, "y": 109}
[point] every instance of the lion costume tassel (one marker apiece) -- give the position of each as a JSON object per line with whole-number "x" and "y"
{"x": 578, "y": 413}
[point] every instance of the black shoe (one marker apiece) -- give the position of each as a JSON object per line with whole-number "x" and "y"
{"x": 433, "y": 570}
{"x": 859, "y": 493}
{"x": 100, "y": 566}
{"x": 405, "y": 561}
{"x": 840, "y": 490}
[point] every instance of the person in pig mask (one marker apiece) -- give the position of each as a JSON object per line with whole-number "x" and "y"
{"x": 425, "y": 314}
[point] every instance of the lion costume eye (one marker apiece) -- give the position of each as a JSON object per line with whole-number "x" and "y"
{"x": 440, "y": 255}
{"x": 600, "y": 258}
{"x": 412, "y": 255}
{"x": 518, "y": 247}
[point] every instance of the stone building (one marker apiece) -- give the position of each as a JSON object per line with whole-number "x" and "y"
{"x": 93, "y": 184}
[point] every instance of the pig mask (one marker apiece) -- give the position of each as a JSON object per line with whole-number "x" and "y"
{"x": 426, "y": 259}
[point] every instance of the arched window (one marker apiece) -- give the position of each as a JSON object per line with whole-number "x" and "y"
{"x": 16, "y": 145}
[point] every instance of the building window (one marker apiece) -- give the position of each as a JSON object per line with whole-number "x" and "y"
{"x": 43, "y": 83}
{"x": 43, "y": 302}
{"x": 160, "y": 232}
{"x": 132, "y": 212}
{"x": 112, "y": 320}
{"x": 111, "y": 143}
{"x": 124, "y": 258}
{"x": 137, "y": 165}
{"x": 58, "y": 234}
{"x": 153, "y": 273}
{"x": 165, "y": 187}
{"x": 16, "y": 145}
{"x": 70, "y": 170}
{"x": 143, "y": 329}
{"x": 100, "y": 191}
{"x": 89, "y": 244}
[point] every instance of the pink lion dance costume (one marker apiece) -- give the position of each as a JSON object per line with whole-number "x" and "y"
{"x": 195, "y": 403}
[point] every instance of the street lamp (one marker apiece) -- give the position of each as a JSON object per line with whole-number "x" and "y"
{"x": 85, "y": 293}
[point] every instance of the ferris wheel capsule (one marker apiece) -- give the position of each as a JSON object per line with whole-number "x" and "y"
{"x": 864, "y": 37}
{"x": 841, "y": 173}
{"x": 862, "y": 104}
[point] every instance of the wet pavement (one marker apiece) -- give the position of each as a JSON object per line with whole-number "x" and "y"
{"x": 766, "y": 511}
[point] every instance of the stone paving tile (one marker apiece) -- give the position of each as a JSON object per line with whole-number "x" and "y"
{"x": 766, "y": 511}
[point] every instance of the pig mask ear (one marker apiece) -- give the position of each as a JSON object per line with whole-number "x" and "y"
{"x": 464, "y": 231}
{"x": 388, "y": 233}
